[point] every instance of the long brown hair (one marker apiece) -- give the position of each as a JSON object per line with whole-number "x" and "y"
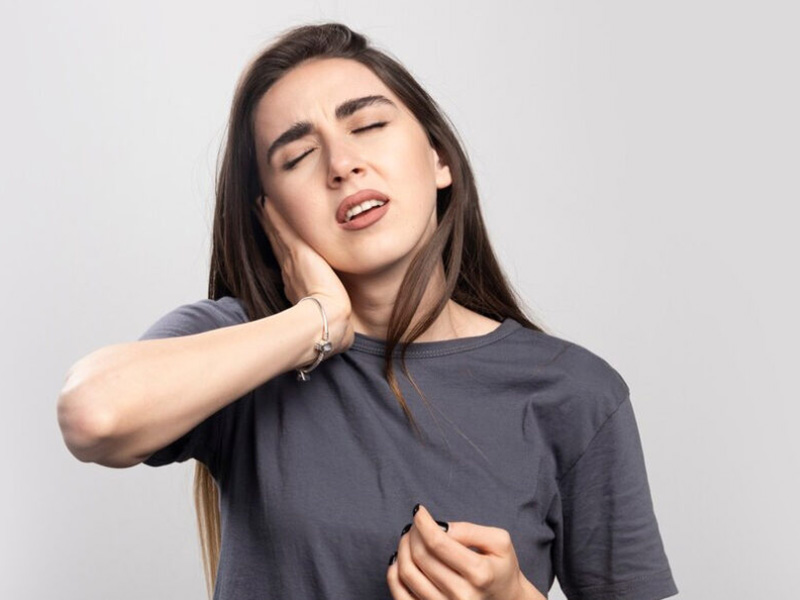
{"x": 244, "y": 266}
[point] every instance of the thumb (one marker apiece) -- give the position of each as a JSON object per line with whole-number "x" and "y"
{"x": 483, "y": 538}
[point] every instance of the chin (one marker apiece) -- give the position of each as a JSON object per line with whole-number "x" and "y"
{"x": 374, "y": 263}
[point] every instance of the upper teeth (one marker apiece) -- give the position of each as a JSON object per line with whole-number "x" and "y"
{"x": 359, "y": 208}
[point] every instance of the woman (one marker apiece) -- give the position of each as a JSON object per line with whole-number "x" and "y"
{"x": 348, "y": 238}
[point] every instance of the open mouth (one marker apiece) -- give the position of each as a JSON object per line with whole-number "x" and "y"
{"x": 363, "y": 209}
{"x": 365, "y": 214}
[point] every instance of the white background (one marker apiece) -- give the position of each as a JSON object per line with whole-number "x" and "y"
{"x": 638, "y": 170}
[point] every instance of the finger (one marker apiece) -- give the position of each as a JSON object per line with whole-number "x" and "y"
{"x": 410, "y": 575}
{"x": 451, "y": 583}
{"x": 447, "y": 548}
{"x": 396, "y": 587}
{"x": 280, "y": 224}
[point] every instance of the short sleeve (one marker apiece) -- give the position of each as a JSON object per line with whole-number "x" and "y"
{"x": 607, "y": 543}
{"x": 201, "y": 442}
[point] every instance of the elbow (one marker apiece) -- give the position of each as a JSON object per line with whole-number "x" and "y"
{"x": 85, "y": 421}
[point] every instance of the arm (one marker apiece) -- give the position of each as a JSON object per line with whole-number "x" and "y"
{"x": 608, "y": 542}
{"x": 123, "y": 402}
{"x": 529, "y": 590}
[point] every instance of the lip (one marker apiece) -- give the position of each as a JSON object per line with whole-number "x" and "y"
{"x": 359, "y": 222}
{"x": 357, "y": 198}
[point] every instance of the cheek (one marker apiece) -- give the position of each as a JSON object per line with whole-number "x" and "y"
{"x": 413, "y": 177}
{"x": 420, "y": 184}
{"x": 308, "y": 223}
{"x": 302, "y": 215}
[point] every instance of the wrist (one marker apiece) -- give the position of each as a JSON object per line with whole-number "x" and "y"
{"x": 527, "y": 590}
{"x": 323, "y": 346}
{"x": 310, "y": 324}
{"x": 338, "y": 317}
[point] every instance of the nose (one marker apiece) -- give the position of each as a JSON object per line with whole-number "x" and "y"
{"x": 344, "y": 161}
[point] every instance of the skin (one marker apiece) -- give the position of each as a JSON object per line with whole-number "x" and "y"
{"x": 468, "y": 561}
{"x": 357, "y": 274}
{"x": 396, "y": 160}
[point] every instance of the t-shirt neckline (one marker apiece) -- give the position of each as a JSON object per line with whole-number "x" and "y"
{"x": 377, "y": 346}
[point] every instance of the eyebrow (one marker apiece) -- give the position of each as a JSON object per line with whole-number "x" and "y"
{"x": 344, "y": 110}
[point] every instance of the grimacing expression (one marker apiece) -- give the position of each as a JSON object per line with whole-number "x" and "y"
{"x": 375, "y": 143}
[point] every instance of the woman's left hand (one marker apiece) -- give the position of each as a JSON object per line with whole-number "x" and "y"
{"x": 433, "y": 564}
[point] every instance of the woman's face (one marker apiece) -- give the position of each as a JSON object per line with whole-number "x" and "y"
{"x": 307, "y": 178}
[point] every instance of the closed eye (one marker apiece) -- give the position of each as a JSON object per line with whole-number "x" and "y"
{"x": 379, "y": 124}
{"x": 288, "y": 166}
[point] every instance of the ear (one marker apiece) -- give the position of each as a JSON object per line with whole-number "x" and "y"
{"x": 258, "y": 207}
{"x": 443, "y": 176}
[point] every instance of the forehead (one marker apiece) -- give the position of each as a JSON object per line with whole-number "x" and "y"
{"x": 314, "y": 88}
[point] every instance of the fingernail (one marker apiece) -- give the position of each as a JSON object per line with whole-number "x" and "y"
{"x": 405, "y": 530}
{"x": 416, "y": 508}
{"x": 443, "y": 525}
{"x": 392, "y": 559}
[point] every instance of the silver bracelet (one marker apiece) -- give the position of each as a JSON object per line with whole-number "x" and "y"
{"x": 323, "y": 347}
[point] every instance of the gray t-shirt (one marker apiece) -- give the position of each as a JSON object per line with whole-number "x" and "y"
{"x": 527, "y": 432}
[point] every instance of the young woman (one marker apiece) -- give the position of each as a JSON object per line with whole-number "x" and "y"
{"x": 348, "y": 242}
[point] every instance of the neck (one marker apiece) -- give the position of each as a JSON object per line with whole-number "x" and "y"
{"x": 372, "y": 298}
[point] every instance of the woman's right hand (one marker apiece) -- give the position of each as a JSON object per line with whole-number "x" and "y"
{"x": 306, "y": 273}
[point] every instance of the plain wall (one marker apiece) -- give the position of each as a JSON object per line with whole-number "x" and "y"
{"x": 637, "y": 164}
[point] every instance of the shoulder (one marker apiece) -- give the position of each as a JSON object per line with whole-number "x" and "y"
{"x": 571, "y": 391}
{"x": 569, "y": 365}
{"x": 474, "y": 324}
{"x": 228, "y": 309}
{"x": 199, "y": 316}
{"x": 591, "y": 375}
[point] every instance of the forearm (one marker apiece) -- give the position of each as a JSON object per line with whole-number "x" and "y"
{"x": 123, "y": 402}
